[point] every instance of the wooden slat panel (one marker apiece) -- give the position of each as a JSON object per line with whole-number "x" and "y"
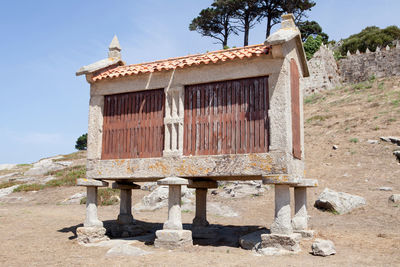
{"x": 228, "y": 117}
{"x": 133, "y": 125}
{"x": 295, "y": 96}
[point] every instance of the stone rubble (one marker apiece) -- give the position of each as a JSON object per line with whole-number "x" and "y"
{"x": 385, "y": 188}
{"x": 323, "y": 248}
{"x": 339, "y": 202}
{"x": 395, "y": 198}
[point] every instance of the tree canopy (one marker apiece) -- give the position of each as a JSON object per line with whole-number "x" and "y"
{"x": 370, "y": 37}
{"x": 226, "y": 17}
{"x": 311, "y": 28}
{"x": 81, "y": 142}
{"x": 312, "y": 45}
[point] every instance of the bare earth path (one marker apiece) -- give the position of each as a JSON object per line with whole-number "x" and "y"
{"x": 40, "y": 232}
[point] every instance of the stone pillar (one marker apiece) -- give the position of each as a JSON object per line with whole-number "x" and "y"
{"x": 201, "y": 187}
{"x": 91, "y": 208}
{"x": 93, "y": 230}
{"x": 282, "y": 223}
{"x": 300, "y": 218}
{"x": 173, "y": 235}
{"x": 125, "y": 210}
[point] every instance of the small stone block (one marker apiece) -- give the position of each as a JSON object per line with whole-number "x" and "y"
{"x": 91, "y": 182}
{"x": 279, "y": 179}
{"x": 91, "y": 235}
{"x": 307, "y": 183}
{"x": 280, "y": 241}
{"x": 126, "y": 186}
{"x": 306, "y": 234}
{"x": 202, "y": 184}
{"x": 173, "y": 181}
{"x": 171, "y": 239}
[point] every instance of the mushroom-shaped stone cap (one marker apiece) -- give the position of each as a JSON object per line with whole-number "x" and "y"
{"x": 173, "y": 181}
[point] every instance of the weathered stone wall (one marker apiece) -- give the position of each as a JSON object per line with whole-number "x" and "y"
{"x": 359, "y": 67}
{"x": 324, "y": 74}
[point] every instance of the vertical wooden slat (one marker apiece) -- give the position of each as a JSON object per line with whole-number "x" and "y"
{"x": 295, "y": 96}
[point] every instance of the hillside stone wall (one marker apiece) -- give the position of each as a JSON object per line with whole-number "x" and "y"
{"x": 324, "y": 74}
{"x": 359, "y": 67}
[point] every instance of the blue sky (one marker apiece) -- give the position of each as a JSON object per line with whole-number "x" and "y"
{"x": 44, "y": 106}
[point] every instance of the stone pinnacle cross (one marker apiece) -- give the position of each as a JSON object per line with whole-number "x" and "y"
{"x": 114, "y": 48}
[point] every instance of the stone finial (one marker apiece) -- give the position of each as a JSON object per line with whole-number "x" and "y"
{"x": 348, "y": 53}
{"x": 378, "y": 49}
{"x": 357, "y": 52}
{"x": 367, "y": 51}
{"x": 398, "y": 45}
{"x": 288, "y": 21}
{"x": 387, "y": 48}
{"x": 114, "y": 50}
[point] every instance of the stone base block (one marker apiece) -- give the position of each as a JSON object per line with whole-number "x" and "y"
{"x": 91, "y": 235}
{"x": 171, "y": 239}
{"x": 306, "y": 234}
{"x": 126, "y": 230}
{"x": 208, "y": 232}
{"x": 281, "y": 242}
{"x": 252, "y": 241}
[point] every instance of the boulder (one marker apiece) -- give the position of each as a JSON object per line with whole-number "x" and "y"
{"x": 158, "y": 198}
{"x": 8, "y": 190}
{"x": 252, "y": 240}
{"x": 395, "y": 198}
{"x": 44, "y": 166}
{"x": 323, "y": 248}
{"x": 338, "y": 202}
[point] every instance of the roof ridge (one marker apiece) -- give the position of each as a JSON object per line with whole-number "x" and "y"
{"x": 196, "y": 55}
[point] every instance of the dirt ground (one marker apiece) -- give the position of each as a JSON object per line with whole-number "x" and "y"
{"x": 36, "y": 230}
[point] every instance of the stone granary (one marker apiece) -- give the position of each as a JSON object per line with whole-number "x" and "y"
{"x": 234, "y": 114}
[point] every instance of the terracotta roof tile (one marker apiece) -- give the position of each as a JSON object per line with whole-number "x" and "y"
{"x": 182, "y": 62}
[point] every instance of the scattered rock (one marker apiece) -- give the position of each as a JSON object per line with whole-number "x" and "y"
{"x": 385, "y": 188}
{"x": 372, "y": 142}
{"x": 395, "y": 198}
{"x": 44, "y": 166}
{"x": 126, "y": 250}
{"x": 75, "y": 199}
{"x": 280, "y": 242}
{"x": 386, "y": 139}
{"x": 394, "y": 140}
{"x": 48, "y": 178}
{"x": 335, "y": 147}
{"x": 159, "y": 198}
{"x": 323, "y": 248}
{"x": 8, "y": 190}
{"x": 338, "y": 201}
{"x": 252, "y": 240}
{"x": 7, "y": 177}
{"x": 151, "y": 186}
{"x": 214, "y": 192}
{"x": 397, "y": 154}
{"x": 7, "y": 166}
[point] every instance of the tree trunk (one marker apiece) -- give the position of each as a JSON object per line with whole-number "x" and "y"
{"x": 246, "y": 32}
{"x": 269, "y": 20}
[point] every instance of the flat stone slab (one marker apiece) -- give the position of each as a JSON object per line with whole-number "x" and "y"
{"x": 125, "y": 186}
{"x": 279, "y": 179}
{"x": 306, "y": 234}
{"x": 281, "y": 242}
{"x": 91, "y": 182}
{"x": 307, "y": 183}
{"x": 252, "y": 240}
{"x": 173, "y": 181}
{"x": 202, "y": 184}
{"x": 91, "y": 235}
{"x": 171, "y": 239}
{"x": 126, "y": 250}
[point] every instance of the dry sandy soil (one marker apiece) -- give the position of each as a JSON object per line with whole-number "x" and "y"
{"x": 39, "y": 231}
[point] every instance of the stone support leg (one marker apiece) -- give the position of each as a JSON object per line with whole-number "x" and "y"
{"x": 282, "y": 223}
{"x": 91, "y": 208}
{"x": 201, "y": 208}
{"x": 174, "y": 209}
{"x": 300, "y": 218}
{"x": 125, "y": 212}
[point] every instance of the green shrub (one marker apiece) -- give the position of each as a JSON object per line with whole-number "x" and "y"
{"x": 29, "y": 187}
{"x": 312, "y": 45}
{"x": 81, "y": 142}
{"x": 67, "y": 177}
{"x": 354, "y": 140}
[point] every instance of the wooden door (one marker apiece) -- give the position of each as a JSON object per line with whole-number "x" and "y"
{"x": 133, "y": 125}
{"x": 295, "y": 96}
{"x": 229, "y": 117}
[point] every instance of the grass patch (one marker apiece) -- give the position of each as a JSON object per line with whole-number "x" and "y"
{"x": 381, "y": 86}
{"x": 317, "y": 118}
{"x": 186, "y": 211}
{"x": 105, "y": 197}
{"x": 24, "y": 165}
{"x": 311, "y": 99}
{"x": 9, "y": 184}
{"x": 354, "y": 140}
{"x": 67, "y": 177}
{"x": 29, "y": 187}
{"x": 72, "y": 156}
